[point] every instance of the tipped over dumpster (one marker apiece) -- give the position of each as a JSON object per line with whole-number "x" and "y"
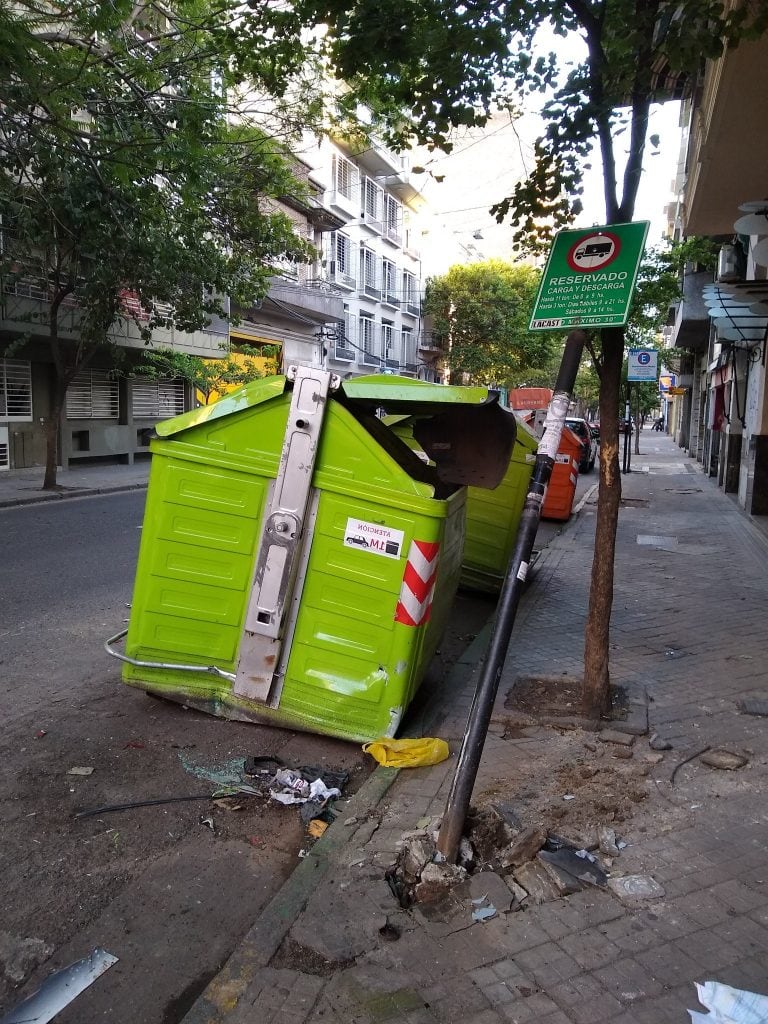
{"x": 298, "y": 560}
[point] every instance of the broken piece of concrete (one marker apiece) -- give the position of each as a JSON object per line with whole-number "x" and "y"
{"x": 606, "y": 839}
{"x": 613, "y": 736}
{"x": 436, "y": 882}
{"x": 537, "y": 882}
{"x": 417, "y": 853}
{"x": 523, "y": 849}
{"x": 493, "y": 887}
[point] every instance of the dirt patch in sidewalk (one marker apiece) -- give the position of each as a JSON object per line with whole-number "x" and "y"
{"x": 542, "y": 699}
{"x": 570, "y": 783}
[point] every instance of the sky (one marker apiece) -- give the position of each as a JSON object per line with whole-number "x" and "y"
{"x": 485, "y": 165}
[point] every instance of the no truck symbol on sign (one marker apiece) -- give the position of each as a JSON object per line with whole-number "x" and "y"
{"x": 593, "y": 252}
{"x": 590, "y": 277}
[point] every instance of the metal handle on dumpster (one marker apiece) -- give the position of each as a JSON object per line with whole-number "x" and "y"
{"x": 211, "y": 670}
{"x": 277, "y": 557}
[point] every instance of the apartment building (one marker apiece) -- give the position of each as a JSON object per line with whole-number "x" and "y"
{"x": 370, "y": 260}
{"x": 722, "y": 320}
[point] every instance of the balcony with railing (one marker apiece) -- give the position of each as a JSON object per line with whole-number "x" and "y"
{"x": 370, "y": 273}
{"x": 369, "y": 342}
{"x": 293, "y": 289}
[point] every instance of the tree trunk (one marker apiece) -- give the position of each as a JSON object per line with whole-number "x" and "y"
{"x": 52, "y": 436}
{"x": 597, "y": 633}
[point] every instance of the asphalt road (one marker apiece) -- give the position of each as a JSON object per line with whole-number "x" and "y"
{"x": 67, "y": 576}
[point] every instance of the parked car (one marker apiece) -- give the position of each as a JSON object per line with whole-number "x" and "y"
{"x": 594, "y": 429}
{"x": 588, "y": 443}
{"x": 626, "y": 426}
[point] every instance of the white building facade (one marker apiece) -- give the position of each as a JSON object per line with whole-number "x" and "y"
{"x": 371, "y": 260}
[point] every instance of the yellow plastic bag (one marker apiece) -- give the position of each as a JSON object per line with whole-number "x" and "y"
{"x": 407, "y": 753}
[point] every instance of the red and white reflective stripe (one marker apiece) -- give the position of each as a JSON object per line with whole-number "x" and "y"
{"x": 418, "y": 587}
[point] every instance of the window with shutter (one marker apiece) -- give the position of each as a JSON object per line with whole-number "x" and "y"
{"x": 93, "y": 395}
{"x": 157, "y": 399}
{"x": 15, "y": 389}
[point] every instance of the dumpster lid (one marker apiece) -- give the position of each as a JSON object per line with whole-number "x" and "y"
{"x": 464, "y": 430}
{"x": 251, "y": 394}
{"x": 389, "y": 390}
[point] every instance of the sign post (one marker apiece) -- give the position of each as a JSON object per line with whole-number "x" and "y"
{"x": 642, "y": 367}
{"x": 590, "y": 277}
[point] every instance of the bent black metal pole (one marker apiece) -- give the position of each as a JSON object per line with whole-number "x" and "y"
{"x": 457, "y": 805}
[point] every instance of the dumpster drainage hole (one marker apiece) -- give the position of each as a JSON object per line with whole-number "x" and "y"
{"x": 263, "y": 616}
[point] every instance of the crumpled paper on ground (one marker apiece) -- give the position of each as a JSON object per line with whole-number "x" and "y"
{"x": 318, "y": 793}
{"x": 728, "y": 1005}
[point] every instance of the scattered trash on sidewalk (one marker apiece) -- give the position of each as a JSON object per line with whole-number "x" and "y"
{"x": 636, "y": 887}
{"x": 58, "y": 990}
{"x": 407, "y": 753}
{"x": 484, "y": 912}
{"x": 80, "y": 770}
{"x": 289, "y": 788}
{"x": 208, "y": 821}
{"x": 726, "y": 760}
{"x": 317, "y": 828}
{"x": 40, "y": 733}
{"x": 728, "y": 1005}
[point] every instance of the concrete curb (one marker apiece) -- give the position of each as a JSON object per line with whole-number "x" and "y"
{"x": 85, "y": 492}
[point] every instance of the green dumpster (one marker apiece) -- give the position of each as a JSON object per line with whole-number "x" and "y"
{"x": 492, "y": 515}
{"x": 298, "y": 561}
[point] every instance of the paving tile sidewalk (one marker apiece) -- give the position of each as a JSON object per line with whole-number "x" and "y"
{"x": 24, "y": 486}
{"x": 691, "y": 603}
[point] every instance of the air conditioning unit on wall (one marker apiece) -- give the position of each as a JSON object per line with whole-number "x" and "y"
{"x": 727, "y": 265}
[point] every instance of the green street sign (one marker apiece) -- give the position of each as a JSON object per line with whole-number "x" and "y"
{"x": 589, "y": 277}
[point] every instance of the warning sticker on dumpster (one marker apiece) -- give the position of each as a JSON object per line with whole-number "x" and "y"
{"x": 373, "y": 537}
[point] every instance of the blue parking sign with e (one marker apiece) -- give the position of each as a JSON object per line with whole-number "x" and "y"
{"x": 642, "y": 364}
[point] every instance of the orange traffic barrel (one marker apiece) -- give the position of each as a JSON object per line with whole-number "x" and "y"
{"x": 558, "y": 502}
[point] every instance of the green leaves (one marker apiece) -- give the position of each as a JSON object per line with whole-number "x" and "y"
{"x": 210, "y": 377}
{"x": 481, "y": 311}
